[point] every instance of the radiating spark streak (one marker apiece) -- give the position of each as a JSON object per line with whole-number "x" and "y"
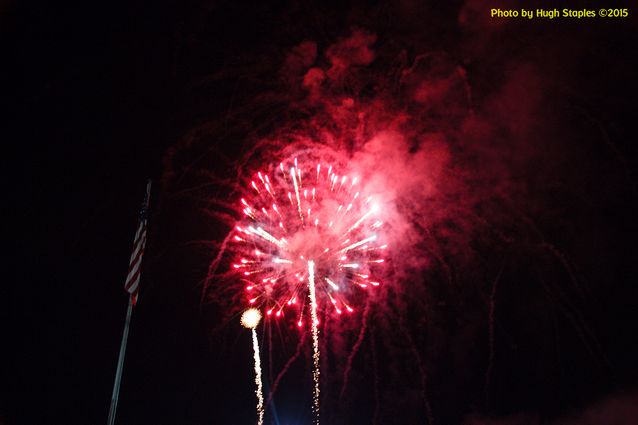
{"x": 281, "y": 261}
{"x": 270, "y": 238}
{"x": 315, "y": 337}
{"x": 361, "y": 242}
{"x": 294, "y": 181}
{"x": 376, "y": 248}
{"x": 331, "y": 283}
{"x": 362, "y": 219}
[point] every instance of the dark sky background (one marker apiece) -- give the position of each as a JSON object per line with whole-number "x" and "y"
{"x": 95, "y": 95}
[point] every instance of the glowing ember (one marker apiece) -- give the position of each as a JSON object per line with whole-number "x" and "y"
{"x": 302, "y": 211}
{"x": 250, "y": 318}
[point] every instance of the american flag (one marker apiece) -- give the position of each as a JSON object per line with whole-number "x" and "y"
{"x": 132, "y": 284}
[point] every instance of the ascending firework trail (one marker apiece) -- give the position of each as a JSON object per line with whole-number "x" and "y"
{"x": 250, "y": 319}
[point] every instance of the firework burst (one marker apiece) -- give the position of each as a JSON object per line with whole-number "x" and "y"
{"x": 302, "y": 211}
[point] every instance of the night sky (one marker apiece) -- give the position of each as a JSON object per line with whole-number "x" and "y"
{"x": 537, "y": 227}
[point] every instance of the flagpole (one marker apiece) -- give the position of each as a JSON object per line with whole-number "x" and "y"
{"x": 120, "y": 363}
{"x": 132, "y": 287}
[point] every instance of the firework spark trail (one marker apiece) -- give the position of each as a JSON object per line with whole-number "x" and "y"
{"x": 579, "y": 323}
{"x": 289, "y": 363}
{"x": 250, "y": 319}
{"x": 490, "y": 364}
{"x": 315, "y": 337}
{"x": 355, "y": 347}
{"x": 422, "y": 370}
{"x": 212, "y": 268}
{"x": 566, "y": 264}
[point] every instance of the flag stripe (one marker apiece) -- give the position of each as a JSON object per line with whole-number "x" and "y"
{"x": 135, "y": 264}
{"x": 132, "y": 276}
{"x": 133, "y": 283}
{"x": 137, "y": 254}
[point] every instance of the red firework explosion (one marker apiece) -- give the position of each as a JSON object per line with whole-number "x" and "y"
{"x": 302, "y": 211}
